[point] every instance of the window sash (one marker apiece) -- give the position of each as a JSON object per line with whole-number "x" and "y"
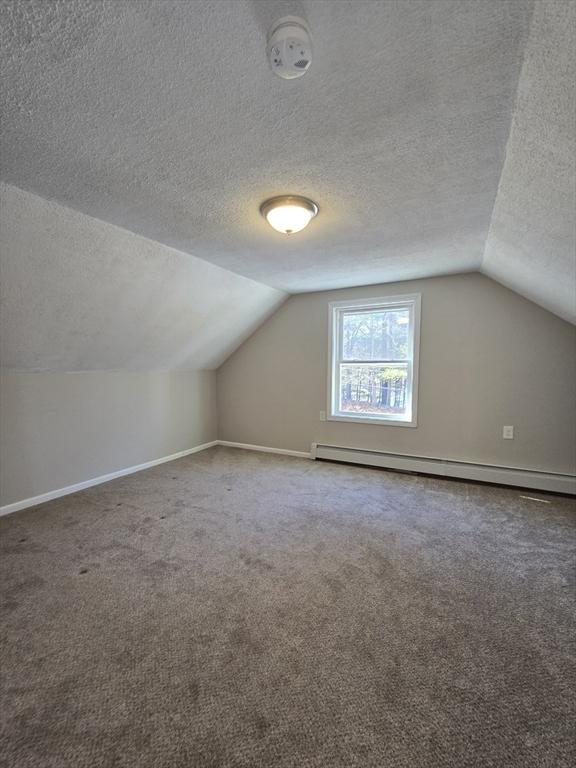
{"x": 338, "y": 311}
{"x": 337, "y": 410}
{"x": 340, "y": 314}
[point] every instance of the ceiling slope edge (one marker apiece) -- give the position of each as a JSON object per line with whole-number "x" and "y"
{"x": 80, "y": 294}
{"x": 531, "y": 243}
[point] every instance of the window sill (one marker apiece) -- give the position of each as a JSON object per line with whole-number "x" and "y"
{"x": 386, "y": 422}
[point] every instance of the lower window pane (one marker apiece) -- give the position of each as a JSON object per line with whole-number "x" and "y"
{"x": 374, "y": 389}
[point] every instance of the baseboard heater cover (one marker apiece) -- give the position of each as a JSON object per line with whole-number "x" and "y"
{"x": 487, "y": 473}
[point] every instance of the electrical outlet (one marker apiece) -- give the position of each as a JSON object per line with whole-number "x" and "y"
{"x": 508, "y": 433}
{"x": 322, "y": 415}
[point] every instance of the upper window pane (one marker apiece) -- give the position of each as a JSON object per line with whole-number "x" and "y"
{"x": 377, "y": 334}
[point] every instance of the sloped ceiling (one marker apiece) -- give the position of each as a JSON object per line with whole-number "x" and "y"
{"x": 163, "y": 119}
{"x": 80, "y": 294}
{"x": 532, "y": 243}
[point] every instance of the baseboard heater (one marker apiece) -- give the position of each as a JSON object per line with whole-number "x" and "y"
{"x": 487, "y": 473}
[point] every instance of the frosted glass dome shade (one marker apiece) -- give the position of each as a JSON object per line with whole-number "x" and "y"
{"x": 288, "y": 214}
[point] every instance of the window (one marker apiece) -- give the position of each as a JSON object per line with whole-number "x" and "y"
{"x": 374, "y": 360}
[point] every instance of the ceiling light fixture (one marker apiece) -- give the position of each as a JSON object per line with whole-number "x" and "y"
{"x": 288, "y": 213}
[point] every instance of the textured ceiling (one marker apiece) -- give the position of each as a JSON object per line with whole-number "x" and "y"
{"x": 532, "y": 243}
{"x": 436, "y": 135}
{"x": 80, "y": 294}
{"x": 162, "y": 117}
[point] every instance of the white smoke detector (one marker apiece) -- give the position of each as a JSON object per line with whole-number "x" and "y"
{"x": 289, "y": 47}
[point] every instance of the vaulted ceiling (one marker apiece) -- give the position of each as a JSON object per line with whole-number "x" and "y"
{"x": 531, "y": 246}
{"x": 434, "y": 134}
{"x": 79, "y": 294}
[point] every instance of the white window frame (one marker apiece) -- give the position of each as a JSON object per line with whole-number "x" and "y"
{"x": 337, "y": 309}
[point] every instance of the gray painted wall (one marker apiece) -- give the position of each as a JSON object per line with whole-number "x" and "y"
{"x": 488, "y": 358}
{"x": 58, "y": 429}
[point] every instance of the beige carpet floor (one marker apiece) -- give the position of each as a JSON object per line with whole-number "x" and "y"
{"x": 243, "y": 610}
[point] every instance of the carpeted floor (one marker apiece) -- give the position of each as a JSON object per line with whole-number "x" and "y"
{"x": 235, "y": 609}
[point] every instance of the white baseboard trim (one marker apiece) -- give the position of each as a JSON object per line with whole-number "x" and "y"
{"x": 265, "y": 449}
{"x": 488, "y": 473}
{"x": 34, "y": 500}
{"x": 522, "y": 478}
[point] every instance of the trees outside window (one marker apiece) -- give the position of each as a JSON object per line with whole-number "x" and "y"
{"x": 373, "y": 372}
